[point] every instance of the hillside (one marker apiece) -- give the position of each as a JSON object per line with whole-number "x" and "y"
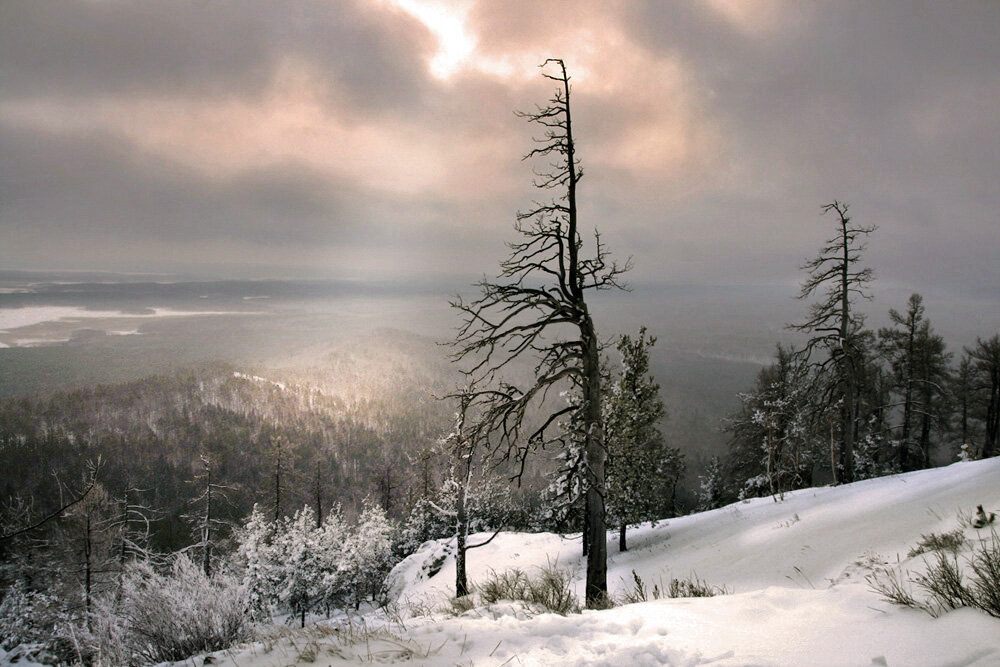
{"x": 794, "y": 568}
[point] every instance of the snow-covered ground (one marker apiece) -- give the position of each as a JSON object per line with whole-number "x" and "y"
{"x": 795, "y": 567}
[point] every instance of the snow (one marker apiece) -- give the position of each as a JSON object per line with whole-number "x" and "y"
{"x": 256, "y": 378}
{"x": 14, "y": 318}
{"x": 795, "y": 568}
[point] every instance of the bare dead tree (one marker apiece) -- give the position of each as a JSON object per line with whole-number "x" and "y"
{"x": 204, "y": 519}
{"x": 834, "y": 327}
{"x": 537, "y": 307}
{"x": 64, "y": 506}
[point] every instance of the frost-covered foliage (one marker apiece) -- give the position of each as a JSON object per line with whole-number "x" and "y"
{"x": 27, "y": 617}
{"x": 331, "y": 540}
{"x": 565, "y": 493}
{"x": 368, "y": 556}
{"x": 168, "y": 616}
{"x": 711, "y": 486}
{"x": 257, "y": 554}
{"x": 489, "y": 506}
{"x": 425, "y": 522}
{"x": 774, "y": 444}
{"x": 299, "y": 567}
{"x": 299, "y": 564}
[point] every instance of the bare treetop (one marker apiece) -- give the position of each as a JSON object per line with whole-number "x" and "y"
{"x": 536, "y": 307}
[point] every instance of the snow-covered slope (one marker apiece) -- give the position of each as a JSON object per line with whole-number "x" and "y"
{"x": 796, "y": 568}
{"x": 810, "y": 539}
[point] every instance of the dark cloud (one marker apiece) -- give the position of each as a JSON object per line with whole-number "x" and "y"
{"x": 61, "y": 194}
{"x": 210, "y": 47}
{"x": 710, "y": 139}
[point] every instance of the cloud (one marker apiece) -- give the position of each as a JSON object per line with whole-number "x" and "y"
{"x": 379, "y": 135}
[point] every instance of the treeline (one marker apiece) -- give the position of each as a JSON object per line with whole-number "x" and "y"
{"x": 851, "y": 402}
{"x": 268, "y": 443}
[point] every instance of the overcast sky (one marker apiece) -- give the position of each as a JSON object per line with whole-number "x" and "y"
{"x": 376, "y": 139}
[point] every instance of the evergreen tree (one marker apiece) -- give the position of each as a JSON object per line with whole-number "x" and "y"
{"x": 964, "y": 423}
{"x": 331, "y": 541}
{"x": 642, "y": 469}
{"x": 919, "y": 370}
{"x": 300, "y": 563}
{"x": 368, "y": 555}
{"x": 258, "y": 554}
{"x": 711, "y": 486}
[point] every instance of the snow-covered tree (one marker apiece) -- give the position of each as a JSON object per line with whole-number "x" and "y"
{"x": 424, "y": 522}
{"x": 368, "y": 555}
{"x": 300, "y": 562}
{"x": 711, "y": 486}
{"x": 258, "y": 553}
{"x": 331, "y": 544}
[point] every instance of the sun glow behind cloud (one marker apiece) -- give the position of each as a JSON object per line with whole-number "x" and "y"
{"x": 447, "y": 22}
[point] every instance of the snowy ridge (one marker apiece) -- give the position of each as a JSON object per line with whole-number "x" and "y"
{"x": 810, "y": 539}
{"x": 796, "y": 568}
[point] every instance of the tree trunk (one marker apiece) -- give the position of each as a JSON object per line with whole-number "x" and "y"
{"x": 622, "y": 545}
{"x": 277, "y": 479}
{"x": 318, "y": 497}
{"x": 993, "y": 413}
{"x": 461, "y": 534}
{"x": 907, "y": 403}
{"x": 596, "y": 455}
{"x": 206, "y": 534}
{"x": 87, "y": 554}
{"x": 846, "y": 363}
{"x": 833, "y": 457}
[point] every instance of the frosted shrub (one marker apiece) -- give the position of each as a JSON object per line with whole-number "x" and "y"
{"x": 550, "y": 590}
{"x": 170, "y": 617}
{"x": 507, "y": 585}
{"x": 19, "y": 621}
{"x": 31, "y": 618}
{"x": 947, "y": 584}
{"x": 692, "y": 587}
{"x": 953, "y": 542}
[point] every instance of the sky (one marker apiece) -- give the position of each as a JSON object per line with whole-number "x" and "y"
{"x": 376, "y": 139}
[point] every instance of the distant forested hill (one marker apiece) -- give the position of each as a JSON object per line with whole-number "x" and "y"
{"x": 355, "y": 426}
